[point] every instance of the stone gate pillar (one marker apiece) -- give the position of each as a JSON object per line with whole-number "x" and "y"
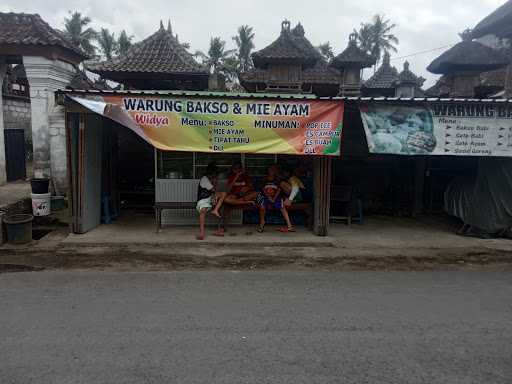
{"x": 48, "y": 134}
{"x": 3, "y": 172}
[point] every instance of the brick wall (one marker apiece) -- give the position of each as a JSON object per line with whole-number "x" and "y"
{"x": 17, "y": 114}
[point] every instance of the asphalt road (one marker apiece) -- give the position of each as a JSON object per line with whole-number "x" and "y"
{"x": 256, "y": 327}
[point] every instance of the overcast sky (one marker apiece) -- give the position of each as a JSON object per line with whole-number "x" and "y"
{"x": 421, "y": 25}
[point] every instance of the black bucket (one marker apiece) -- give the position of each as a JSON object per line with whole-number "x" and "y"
{"x": 40, "y": 186}
{"x": 19, "y": 228}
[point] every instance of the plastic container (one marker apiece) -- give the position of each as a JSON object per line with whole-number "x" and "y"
{"x": 41, "y": 204}
{"x": 58, "y": 203}
{"x": 40, "y": 185}
{"x": 19, "y": 228}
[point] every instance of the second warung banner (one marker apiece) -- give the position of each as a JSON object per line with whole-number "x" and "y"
{"x": 270, "y": 126}
{"x": 450, "y": 128}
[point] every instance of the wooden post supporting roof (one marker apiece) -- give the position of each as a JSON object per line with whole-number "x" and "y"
{"x": 322, "y": 169}
{"x": 71, "y": 125}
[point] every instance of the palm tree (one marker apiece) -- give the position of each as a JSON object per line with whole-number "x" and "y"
{"x": 364, "y": 37}
{"x": 245, "y": 45}
{"x": 231, "y": 68}
{"x": 376, "y": 38}
{"x": 124, "y": 42}
{"x": 184, "y": 44}
{"x": 108, "y": 43}
{"x": 81, "y": 36}
{"x": 383, "y": 39}
{"x": 326, "y": 51}
{"x": 217, "y": 55}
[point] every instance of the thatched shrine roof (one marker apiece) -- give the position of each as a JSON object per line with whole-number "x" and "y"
{"x": 408, "y": 77}
{"x": 291, "y": 47}
{"x": 498, "y": 23}
{"x": 468, "y": 56}
{"x": 353, "y": 56}
{"x": 385, "y": 77}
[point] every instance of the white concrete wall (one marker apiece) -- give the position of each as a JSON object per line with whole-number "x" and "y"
{"x": 48, "y": 133}
{"x": 58, "y": 150}
{"x": 3, "y": 172}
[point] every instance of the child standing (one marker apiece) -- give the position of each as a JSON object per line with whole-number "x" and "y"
{"x": 208, "y": 199}
{"x": 270, "y": 198}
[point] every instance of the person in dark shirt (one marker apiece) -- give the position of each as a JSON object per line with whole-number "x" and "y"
{"x": 270, "y": 198}
{"x": 208, "y": 199}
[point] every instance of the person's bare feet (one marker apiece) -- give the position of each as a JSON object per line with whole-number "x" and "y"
{"x": 216, "y": 214}
{"x": 200, "y": 237}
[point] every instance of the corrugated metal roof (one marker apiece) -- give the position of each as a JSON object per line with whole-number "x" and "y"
{"x": 292, "y": 96}
{"x": 230, "y": 95}
{"x": 424, "y": 99}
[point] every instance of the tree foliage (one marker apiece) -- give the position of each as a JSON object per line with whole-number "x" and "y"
{"x": 77, "y": 31}
{"x": 218, "y": 59}
{"x": 326, "y": 51}
{"x": 108, "y": 43}
{"x": 244, "y": 41}
{"x": 124, "y": 42}
{"x": 377, "y": 37}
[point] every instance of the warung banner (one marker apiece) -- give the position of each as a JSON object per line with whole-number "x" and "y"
{"x": 295, "y": 127}
{"x": 460, "y": 129}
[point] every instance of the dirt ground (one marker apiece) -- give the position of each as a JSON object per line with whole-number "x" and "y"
{"x": 382, "y": 243}
{"x": 11, "y": 193}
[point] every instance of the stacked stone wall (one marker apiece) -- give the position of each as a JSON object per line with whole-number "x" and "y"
{"x": 17, "y": 114}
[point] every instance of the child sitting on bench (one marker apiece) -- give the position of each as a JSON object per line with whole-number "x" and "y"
{"x": 208, "y": 199}
{"x": 270, "y": 198}
{"x": 240, "y": 187}
{"x": 293, "y": 187}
